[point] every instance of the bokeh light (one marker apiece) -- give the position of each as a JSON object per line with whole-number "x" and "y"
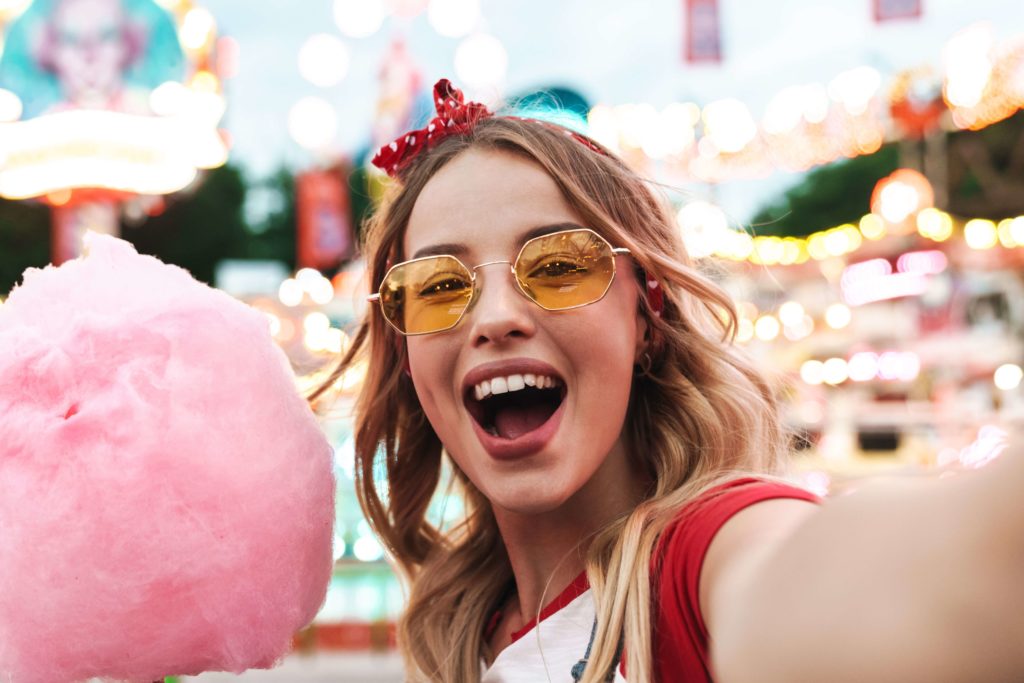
{"x": 791, "y": 313}
{"x": 981, "y": 233}
{"x": 863, "y": 366}
{"x": 835, "y": 371}
{"x": 1008, "y": 377}
{"x": 767, "y": 328}
{"x": 313, "y": 123}
{"x": 359, "y": 18}
{"x": 855, "y": 88}
{"x": 729, "y": 125}
{"x": 872, "y": 227}
{"x": 838, "y": 316}
{"x": 323, "y": 60}
{"x": 10, "y": 105}
{"x": 453, "y": 18}
{"x": 934, "y": 224}
{"x": 812, "y": 372}
{"x": 290, "y": 293}
{"x": 197, "y": 29}
{"x": 481, "y": 61}
{"x": 703, "y": 225}
{"x": 968, "y": 65}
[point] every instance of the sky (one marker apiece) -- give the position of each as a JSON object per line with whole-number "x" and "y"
{"x": 611, "y": 51}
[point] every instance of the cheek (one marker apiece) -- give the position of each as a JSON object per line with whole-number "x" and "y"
{"x": 432, "y": 367}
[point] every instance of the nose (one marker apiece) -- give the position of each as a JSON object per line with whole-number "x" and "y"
{"x": 500, "y": 313}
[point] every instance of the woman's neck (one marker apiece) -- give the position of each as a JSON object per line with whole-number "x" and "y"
{"x": 547, "y": 551}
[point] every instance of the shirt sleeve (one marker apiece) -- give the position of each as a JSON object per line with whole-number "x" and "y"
{"x": 681, "y": 638}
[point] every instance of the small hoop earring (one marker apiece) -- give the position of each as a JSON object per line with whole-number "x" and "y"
{"x": 644, "y": 365}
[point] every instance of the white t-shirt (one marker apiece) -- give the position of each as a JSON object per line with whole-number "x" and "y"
{"x": 548, "y": 651}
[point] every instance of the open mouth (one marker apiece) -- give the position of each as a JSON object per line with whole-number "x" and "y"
{"x": 509, "y": 407}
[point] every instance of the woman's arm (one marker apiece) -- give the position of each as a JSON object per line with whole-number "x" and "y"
{"x": 915, "y": 580}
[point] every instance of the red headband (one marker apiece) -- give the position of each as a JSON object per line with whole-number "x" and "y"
{"x": 455, "y": 116}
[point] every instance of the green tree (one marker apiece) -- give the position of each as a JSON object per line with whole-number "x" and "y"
{"x": 198, "y": 228}
{"x": 828, "y": 196}
{"x": 24, "y": 240}
{"x": 272, "y": 236}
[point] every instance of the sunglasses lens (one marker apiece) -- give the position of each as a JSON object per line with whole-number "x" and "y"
{"x": 566, "y": 269}
{"x": 427, "y": 295}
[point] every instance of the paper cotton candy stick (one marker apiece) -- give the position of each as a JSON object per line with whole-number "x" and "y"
{"x": 166, "y": 496}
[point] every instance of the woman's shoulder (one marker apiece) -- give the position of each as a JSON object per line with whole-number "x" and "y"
{"x": 716, "y": 504}
{"x": 681, "y": 633}
{"x": 684, "y": 543}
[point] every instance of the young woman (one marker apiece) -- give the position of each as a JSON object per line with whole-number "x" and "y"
{"x": 541, "y": 327}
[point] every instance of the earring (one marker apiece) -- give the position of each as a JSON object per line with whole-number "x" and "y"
{"x": 644, "y": 365}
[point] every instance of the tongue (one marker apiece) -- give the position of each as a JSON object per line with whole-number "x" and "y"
{"x": 513, "y": 421}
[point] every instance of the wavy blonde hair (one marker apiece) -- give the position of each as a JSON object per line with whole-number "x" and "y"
{"x": 701, "y": 415}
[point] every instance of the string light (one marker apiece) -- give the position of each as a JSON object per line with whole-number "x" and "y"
{"x": 931, "y": 223}
{"x": 838, "y": 316}
{"x": 1008, "y": 377}
{"x": 323, "y": 60}
{"x": 481, "y": 61}
{"x": 981, "y": 233}
{"x": 313, "y": 123}
{"x": 808, "y": 125}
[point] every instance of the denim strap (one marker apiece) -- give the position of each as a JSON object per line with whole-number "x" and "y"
{"x": 580, "y": 666}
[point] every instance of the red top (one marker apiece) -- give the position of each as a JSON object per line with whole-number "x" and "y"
{"x": 680, "y": 635}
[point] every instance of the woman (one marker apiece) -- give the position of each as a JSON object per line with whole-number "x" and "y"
{"x": 540, "y": 325}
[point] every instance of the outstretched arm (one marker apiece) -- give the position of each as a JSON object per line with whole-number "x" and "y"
{"x": 919, "y": 580}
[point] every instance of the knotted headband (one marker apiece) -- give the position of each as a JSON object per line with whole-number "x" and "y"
{"x": 455, "y": 116}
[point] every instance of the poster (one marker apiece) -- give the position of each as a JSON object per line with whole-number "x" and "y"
{"x": 702, "y": 31}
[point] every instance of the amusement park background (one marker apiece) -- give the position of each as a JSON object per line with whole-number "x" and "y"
{"x": 852, "y": 172}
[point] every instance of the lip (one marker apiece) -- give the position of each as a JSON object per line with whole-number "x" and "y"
{"x": 531, "y": 442}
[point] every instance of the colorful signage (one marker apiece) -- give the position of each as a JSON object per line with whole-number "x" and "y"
{"x": 107, "y": 94}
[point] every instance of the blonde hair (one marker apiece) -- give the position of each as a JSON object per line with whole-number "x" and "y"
{"x": 702, "y": 414}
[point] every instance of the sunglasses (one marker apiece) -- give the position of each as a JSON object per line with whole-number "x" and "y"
{"x": 558, "y": 272}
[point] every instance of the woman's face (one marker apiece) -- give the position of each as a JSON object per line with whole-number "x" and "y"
{"x": 529, "y": 450}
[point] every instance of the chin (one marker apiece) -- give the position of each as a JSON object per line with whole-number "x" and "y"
{"x": 527, "y": 496}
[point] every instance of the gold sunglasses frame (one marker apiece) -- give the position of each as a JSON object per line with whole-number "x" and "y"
{"x": 378, "y": 298}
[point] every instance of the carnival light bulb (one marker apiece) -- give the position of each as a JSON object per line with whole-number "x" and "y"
{"x": 323, "y": 60}
{"x": 453, "y": 18}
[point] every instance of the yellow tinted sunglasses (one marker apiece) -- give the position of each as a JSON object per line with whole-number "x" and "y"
{"x": 560, "y": 271}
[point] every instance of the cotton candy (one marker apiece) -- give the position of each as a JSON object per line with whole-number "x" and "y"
{"x": 166, "y": 496}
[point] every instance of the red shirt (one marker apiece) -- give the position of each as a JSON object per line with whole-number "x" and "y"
{"x": 680, "y": 637}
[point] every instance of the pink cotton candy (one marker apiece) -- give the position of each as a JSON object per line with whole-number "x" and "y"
{"x": 166, "y": 496}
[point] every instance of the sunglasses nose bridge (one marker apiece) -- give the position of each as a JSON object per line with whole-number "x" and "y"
{"x": 512, "y": 270}
{"x": 491, "y": 263}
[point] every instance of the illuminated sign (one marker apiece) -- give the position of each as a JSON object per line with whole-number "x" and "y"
{"x": 109, "y": 94}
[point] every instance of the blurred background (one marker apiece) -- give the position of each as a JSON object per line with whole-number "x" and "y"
{"x": 852, "y": 172}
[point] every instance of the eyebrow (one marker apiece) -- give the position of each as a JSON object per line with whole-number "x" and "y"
{"x": 458, "y": 249}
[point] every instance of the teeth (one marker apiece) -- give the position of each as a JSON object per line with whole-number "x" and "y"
{"x": 483, "y": 390}
{"x": 503, "y": 385}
